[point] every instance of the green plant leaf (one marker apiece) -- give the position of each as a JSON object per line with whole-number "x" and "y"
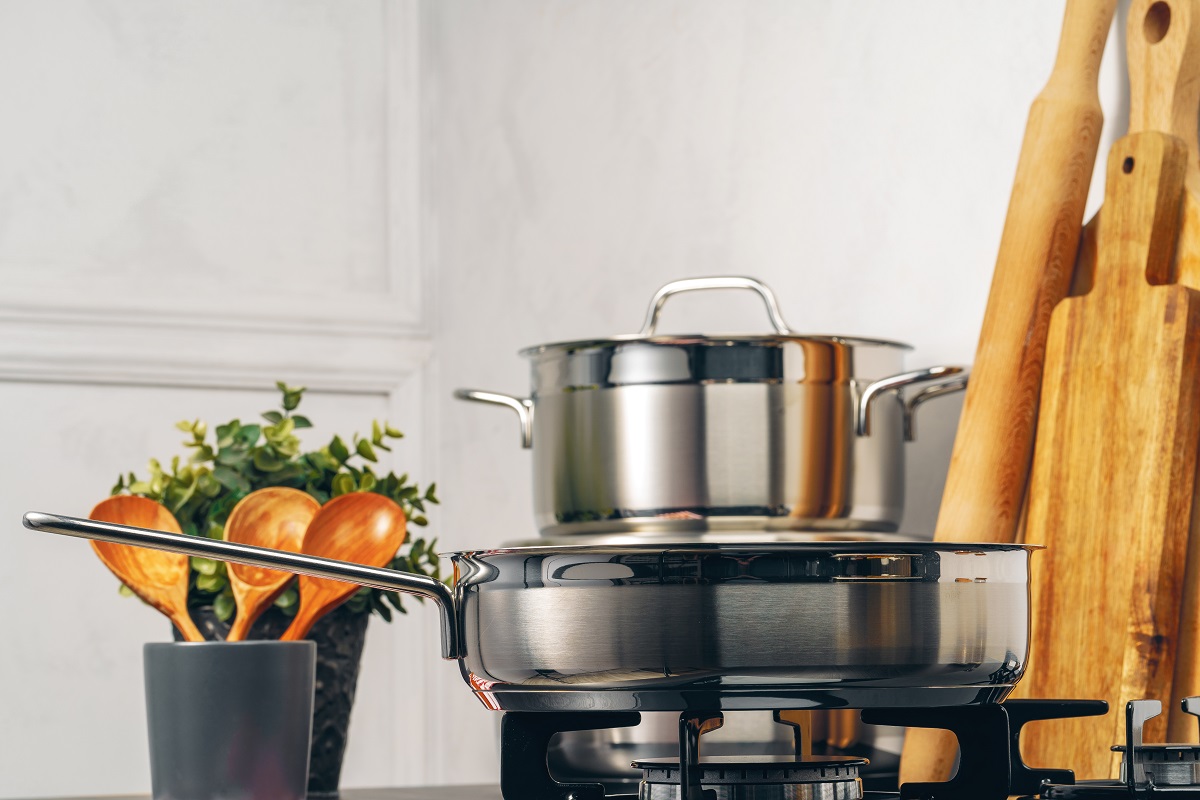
{"x": 224, "y": 606}
{"x": 381, "y": 608}
{"x": 210, "y": 583}
{"x": 301, "y": 421}
{"x": 274, "y": 417}
{"x": 232, "y": 456}
{"x": 394, "y": 599}
{"x": 292, "y": 396}
{"x": 267, "y": 461}
{"x": 364, "y": 449}
{"x": 205, "y": 566}
{"x": 248, "y": 434}
{"x": 338, "y": 449}
{"x": 343, "y": 484}
{"x": 226, "y": 432}
{"x": 125, "y": 591}
{"x": 231, "y": 479}
{"x": 289, "y": 598}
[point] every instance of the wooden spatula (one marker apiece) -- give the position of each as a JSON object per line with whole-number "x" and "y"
{"x": 1112, "y": 482}
{"x": 159, "y": 578}
{"x": 989, "y": 468}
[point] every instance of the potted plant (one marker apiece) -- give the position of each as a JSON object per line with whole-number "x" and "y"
{"x": 201, "y": 490}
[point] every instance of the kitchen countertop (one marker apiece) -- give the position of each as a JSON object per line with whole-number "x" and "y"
{"x": 430, "y": 793}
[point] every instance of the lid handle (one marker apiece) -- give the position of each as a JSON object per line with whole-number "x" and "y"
{"x": 720, "y": 282}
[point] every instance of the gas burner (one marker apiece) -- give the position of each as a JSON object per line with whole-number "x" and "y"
{"x": 771, "y": 778}
{"x": 990, "y": 766}
{"x": 1147, "y": 770}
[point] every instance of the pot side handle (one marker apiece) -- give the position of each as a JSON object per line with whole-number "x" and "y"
{"x": 720, "y": 282}
{"x": 522, "y": 405}
{"x": 951, "y": 386}
{"x": 875, "y": 389}
{"x": 203, "y": 547}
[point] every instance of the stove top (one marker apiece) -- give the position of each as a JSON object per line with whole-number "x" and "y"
{"x": 417, "y": 793}
{"x": 990, "y": 765}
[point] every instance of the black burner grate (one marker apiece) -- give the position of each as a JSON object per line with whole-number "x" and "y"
{"x": 990, "y": 765}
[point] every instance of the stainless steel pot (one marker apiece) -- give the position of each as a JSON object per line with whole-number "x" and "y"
{"x": 692, "y": 433}
{"x": 668, "y": 628}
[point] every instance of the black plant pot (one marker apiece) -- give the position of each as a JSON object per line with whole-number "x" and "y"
{"x": 339, "y": 635}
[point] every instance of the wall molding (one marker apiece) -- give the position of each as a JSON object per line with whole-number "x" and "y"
{"x": 202, "y": 356}
{"x": 190, "y": 332}
{"x": 394, "y": 303}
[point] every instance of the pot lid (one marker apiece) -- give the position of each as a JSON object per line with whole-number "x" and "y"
{"x": 647, "y": 335}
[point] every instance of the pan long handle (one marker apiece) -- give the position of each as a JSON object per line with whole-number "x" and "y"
{"x": 374, "y": 577}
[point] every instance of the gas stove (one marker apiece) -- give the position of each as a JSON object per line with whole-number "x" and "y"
{"x": 990, "y": 765}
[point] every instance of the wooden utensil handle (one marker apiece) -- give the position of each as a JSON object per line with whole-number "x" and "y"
{"x": 1086, "y": 24}
{"x": 1163, "y": 45}
{"x": 183, "y": 622}
{"x": 1150, "y": 203}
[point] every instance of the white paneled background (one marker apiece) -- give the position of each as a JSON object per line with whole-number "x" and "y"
{"x": 384, "y": 200}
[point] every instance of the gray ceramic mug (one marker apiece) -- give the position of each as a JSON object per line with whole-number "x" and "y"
{"x": 229, "y": 720}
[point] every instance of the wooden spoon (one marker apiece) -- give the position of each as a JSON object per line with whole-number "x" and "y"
{"x": 362, "y": 527}
{"x": 276, "y": 517}
{"x": 159, "y": 578}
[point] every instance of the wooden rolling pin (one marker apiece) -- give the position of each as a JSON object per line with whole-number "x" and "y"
{"x": 989, "y": 466}
{"x": 1111, "y": 487}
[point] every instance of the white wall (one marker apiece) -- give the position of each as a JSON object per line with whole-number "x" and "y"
{"x": 856, "y": 156}
{"x": 386, "y": 199}
{"x": 196, "y": 198}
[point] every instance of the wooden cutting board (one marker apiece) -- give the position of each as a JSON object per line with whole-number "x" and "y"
{"x": 989, "y": 468}
{"x": 1111, "y": 487}
{"x": 1163, "y": 54}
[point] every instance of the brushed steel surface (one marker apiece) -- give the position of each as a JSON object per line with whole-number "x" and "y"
{"x": 782, "y": 626}
{"x": 839, "y": 790}
{"x": 782, "y": 778}
{"x": 718, "y": 282}
{"x": 710, "y": 626}
{"x": 703, "y": 433}
{"x": 701, "y": 436}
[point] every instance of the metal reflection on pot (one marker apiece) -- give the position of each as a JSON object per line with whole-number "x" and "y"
{"x": 667, "y": 434}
